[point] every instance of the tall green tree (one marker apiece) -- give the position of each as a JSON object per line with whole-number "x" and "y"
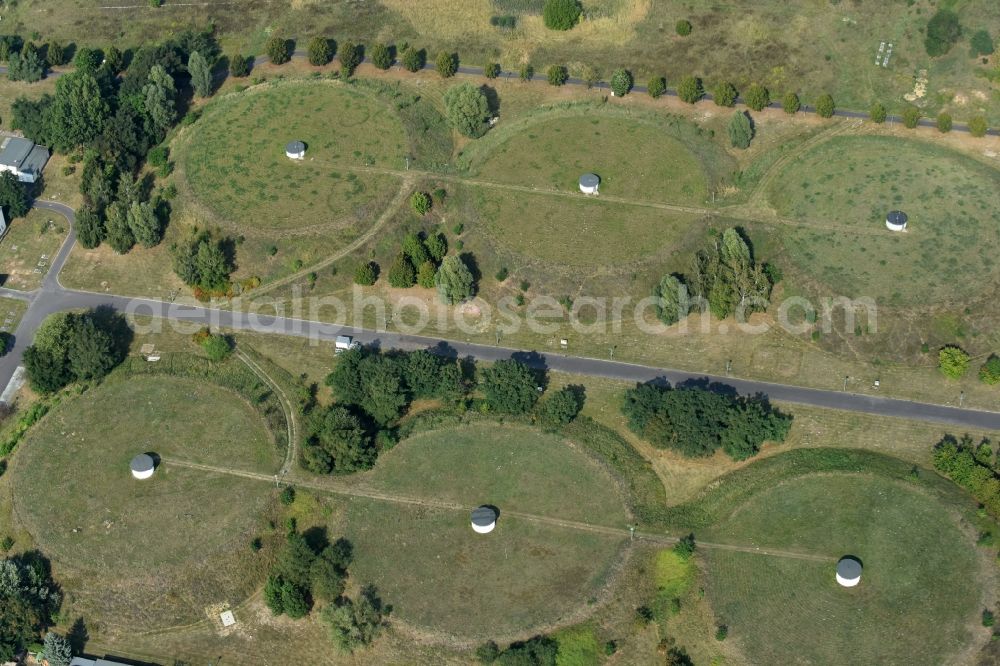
{"x": 144, "y": 224}
{"x": 690, "y": 89}
{"x": 740, "y": 130}
{"x": 509, "y": 386}
{"x": 454, "y": 281}
{"x": 757, "y": 97}
{"x": 119, "y": 232}
{"x": 277, "y": 50}
{"x": 13, "y": 197}
{"x": 725, "y": 94}
{"x": 381, "y": 55}
{"x": 201, "y": 74}
{"x": 621, "y": 82}
{"x": 355, "y": 623}
{"x": 57, "y": 650}
{"x": 319, "y": 51}
{"x": 337, "y": 443}
{"x": 447, "y": 64}
{"x": 467, "y": 109}
{"x": 26, "y": 66}
{"x": 89, "y": 228}
{"x": 350, "y": 55}
{"x": 78, "y": 112}
{"x": 943, "y": 30}
{"x": 159, "y": 101}
{"x": 561, "y": 14}
{"x": 672, "y": 300}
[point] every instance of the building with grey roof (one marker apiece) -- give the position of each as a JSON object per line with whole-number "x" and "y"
{"x": 23, "y": 158}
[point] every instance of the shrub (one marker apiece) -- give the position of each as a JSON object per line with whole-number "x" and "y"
{"x": 55, "y": 54}
{"x": 621, "y": 82}
{"x": 426, "y": 274}
{"x": 721, "y": 632}
{"x": 824, "y": 106}
{"x": 527, "y": 71}
{"x": 563, "y": 406}
{"x": 981, "y": 43}
{"x": 467, "y": 110}
{"x": 790, "y": 103}
{"x": 412, "y": 59}
{"x": 944, "y": 122}
{"x": 656, "y": 87}
{"x": 561, "y": 14}
{"x": 989, "y": 372}
{"x": 757, "y": 97}
{"x": 953, "y": 361}
{"x": 402, "y": 274}
{"x": 277, "y": 50}
{"x": 447, "y": 64}
{"x": 683, "y": 27}
{"x": 978, "y": 126}
{"x": 740, "y": 130}
{"x": 287, "y": 496}
{"x": 502, "y": 274}
{"x": 911, "y": 117}
{"x": 488, "y": 652}
{"x": 454, "y": 281}
{"x": 239, "y": 65}
{"x": 877, "y": 113}
{"x": 420, "y": 202}
{"x": 491, "y": 70}
{"x": 988, "y": 619}
{"x": 217, "y": 347}
{"x": 557, "y": 75}
{"x": 943, "y": 30}
{"x": 351, "y": 55}
{"x": 685, "y": 547}
{"x": 366, "y": 274}
{"x": 319, "y": 51}
{"x": 690, "y": 89}
{"x": 725, "y": 94}
{"x": 381, "y": 55}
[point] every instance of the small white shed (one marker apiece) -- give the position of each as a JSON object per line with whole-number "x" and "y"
{"x": 589, "y": 182}
{"x": 295, "y": 150}
{"x": 142, "y": 466}
{"x": 484, "y": 519}
{"x": 848, "y": 571}
{"x": 896, "y": 220}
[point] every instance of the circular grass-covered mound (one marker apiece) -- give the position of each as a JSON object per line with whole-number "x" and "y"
{"x": 634, "y": 159}
{"x": 148, "y": 552}
{"x": 234, "y": 161}
{"x": 917, "y": 597}
{"x": 443, "y": 577}
{"x": 845, "y": 187}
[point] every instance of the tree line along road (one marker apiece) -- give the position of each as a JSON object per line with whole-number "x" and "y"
{"x": 52, "y": 297}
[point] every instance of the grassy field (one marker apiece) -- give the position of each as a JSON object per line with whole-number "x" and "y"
{"x": 521, "y": 575}
{"x": 572, "y": 232}
{"x": 849, "y": 184}
{"x": 813, "y": 47}
{"x": 179, "y": 537}
{"x": 28, "y": 247}
{"x": 919, "y": 593}
{"x": 634, "y": 159}
{"x": 512, "y": 467}
{"x": 11, "y": 311}
{"x": 234, "y": 157}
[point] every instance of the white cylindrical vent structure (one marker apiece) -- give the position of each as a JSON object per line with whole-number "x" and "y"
{"x": 896, "y": 220}
{"x": 589, "y": 183}
{"x": 848, "y": 572}
{"x": 142, "y": 466}
{"x": 484, "y": 519}
{"x": 295, "y": 150}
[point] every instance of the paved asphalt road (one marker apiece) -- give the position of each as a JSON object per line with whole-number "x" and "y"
{"x": 52, "y": 297}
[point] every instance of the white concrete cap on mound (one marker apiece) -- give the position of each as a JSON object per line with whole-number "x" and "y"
{"x": 484, "y": 519}
{"x": 295, "y": 150}
{"x": 589, "y": 183}
{"x": 142, "y": 466}
{"x": 848, "y": 572}
{"x": 896, "y": 220}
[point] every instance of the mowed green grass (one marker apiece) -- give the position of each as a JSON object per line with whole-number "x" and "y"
{"x": 849, "y": 184}
{"x": 72, "y": 473}
{"x": 919, "y": 590}
{"x": 511, "y": 467}
{"x": 574, "y": 231}
{"x": 634, "y": 159}
{"x": 442, "y": 576}
{"x": 234, "y": 159}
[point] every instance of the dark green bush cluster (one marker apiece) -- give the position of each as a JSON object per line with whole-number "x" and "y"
{"x": 969, "y": 466}
{"x": 698, "y": 421}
